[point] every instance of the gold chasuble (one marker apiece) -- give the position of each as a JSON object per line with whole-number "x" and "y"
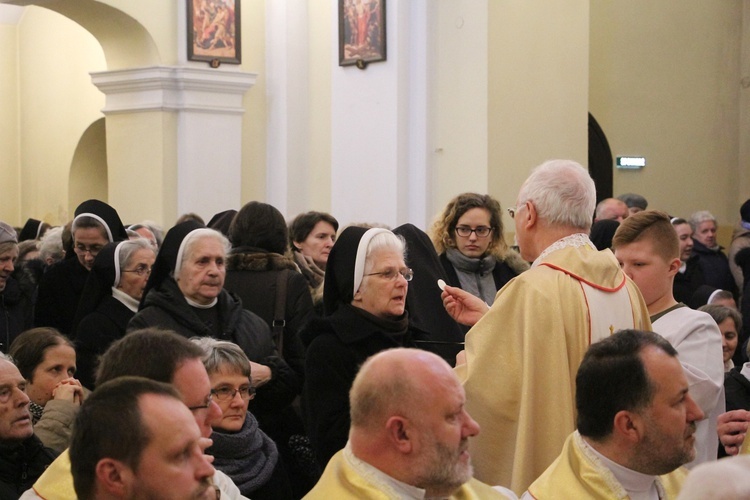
{"x": 578, "y": 473}
{"x": 522, "y": 356}
{"x": 56, "y": 483}
{"x": 342, "y": 479}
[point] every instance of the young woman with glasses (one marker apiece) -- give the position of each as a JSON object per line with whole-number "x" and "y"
{"x": 468, "y": 236}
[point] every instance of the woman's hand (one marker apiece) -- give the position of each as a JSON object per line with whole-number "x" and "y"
{"x": 462, "y": 306}
{"x": 731, "y": 428}
{"x": 69, "y": 389}
{"x": 259, "y": 374}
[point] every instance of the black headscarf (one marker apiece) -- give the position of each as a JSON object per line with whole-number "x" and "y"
{"x": 222, "y": 220}
{"x": 426, "y": 311}
{"x": 106, "y": 215}
{"x": 30, "y": 230}
{"x": 166, "y": 259}
{"x": 101, "y": 279}
{"x": 344, "y": 268}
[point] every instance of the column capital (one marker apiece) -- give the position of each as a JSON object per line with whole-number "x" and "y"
{"x": 173, "y": 88}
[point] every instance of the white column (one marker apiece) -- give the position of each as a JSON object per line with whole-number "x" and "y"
{"x": 204, "y": 144}
{"x": 380, "y": 134}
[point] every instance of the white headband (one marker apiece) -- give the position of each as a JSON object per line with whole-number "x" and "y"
{"x": 117, "y": 263}
{"x": 203, "y": 231}
{"x": 94, "y": 216}
{"x": 359, "y": 262}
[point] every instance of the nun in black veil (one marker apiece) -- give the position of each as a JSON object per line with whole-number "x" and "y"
{"x": 110, "y": 300}
{"x": 95, "y": 224}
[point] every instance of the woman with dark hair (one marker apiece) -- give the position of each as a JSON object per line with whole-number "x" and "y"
{"x": 264, "y": 276}
{"x": 110, "y": 300}
{"x": 311, "y": 236}
{"x": 47, "y": 360}
{"x": 365, "y": 312}
{"x": 468, "y": 235}
{"x": 240, "y": 448}
{"x": 185, "y": 293}
{"x": 95, "y": 224}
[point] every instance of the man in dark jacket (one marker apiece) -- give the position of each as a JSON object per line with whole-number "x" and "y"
{"x": 23, "y": 458}
{"x": 711, "y": 259}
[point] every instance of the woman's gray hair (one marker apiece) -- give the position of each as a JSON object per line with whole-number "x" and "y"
{"x": 129, "y": 247}
{"x": 220, "y": 355}
{"x": 699, "y": 217}
{"x": 192, "y": 238}
{"x": 563, "y": 194}
{"x": 384, "y": 241}
{"x": 51, "y": 245}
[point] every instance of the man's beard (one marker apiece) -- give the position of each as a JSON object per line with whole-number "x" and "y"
{"x": 442, "y": 470}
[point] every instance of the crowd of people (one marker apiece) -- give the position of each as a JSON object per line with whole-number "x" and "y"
{"x": 602, "y": 355}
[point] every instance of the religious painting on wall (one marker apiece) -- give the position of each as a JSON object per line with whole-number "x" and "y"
{"x": 361, "y": 32}
{"x": 213, "y": 29}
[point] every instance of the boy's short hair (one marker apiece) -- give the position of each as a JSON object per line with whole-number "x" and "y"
{"x": 652, "y": 225}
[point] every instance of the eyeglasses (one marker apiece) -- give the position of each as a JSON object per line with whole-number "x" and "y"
{"x": 83, "y": 249}
{"x": 481, "y": 231}
{"x": 514, "y": 210}
{"x": 227, "y": 394}
{"x": 141, "y": 270}
{"x": 206, "y": 403}
{"x": 392, "y": 274}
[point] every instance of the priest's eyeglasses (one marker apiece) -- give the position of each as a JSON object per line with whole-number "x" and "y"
{"x": 227, "y": 393}
{"x": 481, "y": 231}
{"x": 392, "y": 274}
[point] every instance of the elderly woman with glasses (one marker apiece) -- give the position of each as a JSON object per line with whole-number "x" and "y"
{"x": 185, "y": 293}
{"x": 110, "y": 300}
{"x": 468, "y": 235}
{"x": 364, "y": 298}
{"x": 240, "y": 448}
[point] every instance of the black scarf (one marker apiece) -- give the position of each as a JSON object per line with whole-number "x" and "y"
{"x": 248, "y": 457}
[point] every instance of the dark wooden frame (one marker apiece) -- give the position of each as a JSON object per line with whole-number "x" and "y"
{"x": 199, "y": 53}
{"x": 361, "y": 54}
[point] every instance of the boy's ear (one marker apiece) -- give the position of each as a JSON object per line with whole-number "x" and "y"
{"x": 674, "y": 266}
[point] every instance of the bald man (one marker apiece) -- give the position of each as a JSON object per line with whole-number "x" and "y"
{"x": 409, "y": 436}
{"x": 611, "y": 209}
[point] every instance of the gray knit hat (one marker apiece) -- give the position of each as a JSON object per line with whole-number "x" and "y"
{"x": 7, "y": 233}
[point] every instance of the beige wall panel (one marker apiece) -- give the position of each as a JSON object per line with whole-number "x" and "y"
{"x": 10, "y": 204}
{"x": 665, "y": 85}
{"x": 58, "y": 103}
{"x": 320, "y": 67}
{"x": 538, "y": 90}
{"x": 255, "y": 117}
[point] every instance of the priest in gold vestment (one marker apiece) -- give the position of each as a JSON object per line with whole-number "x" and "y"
{"x": 408, "y": 437}
{"x": 522, "y": 354}
{"x": 636, "y": 424}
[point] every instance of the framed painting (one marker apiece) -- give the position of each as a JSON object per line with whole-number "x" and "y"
{"x": 213, "y": 31}
{"x": 361, "y": 32}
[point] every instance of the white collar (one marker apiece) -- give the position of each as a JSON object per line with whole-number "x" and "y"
{"x": 393, "y": 488}
{"x": 636, "y": 484}
{"x": 126, "y": 299}
{"x": 573, "y": 240}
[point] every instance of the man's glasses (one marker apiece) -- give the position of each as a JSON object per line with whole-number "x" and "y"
{"x": 392, "y": 274}
{"x": 227, "y": 393}
{"x": 481, "y": 231}
{"x": 205, "y": 404}
{"x": 141, "y": 270}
